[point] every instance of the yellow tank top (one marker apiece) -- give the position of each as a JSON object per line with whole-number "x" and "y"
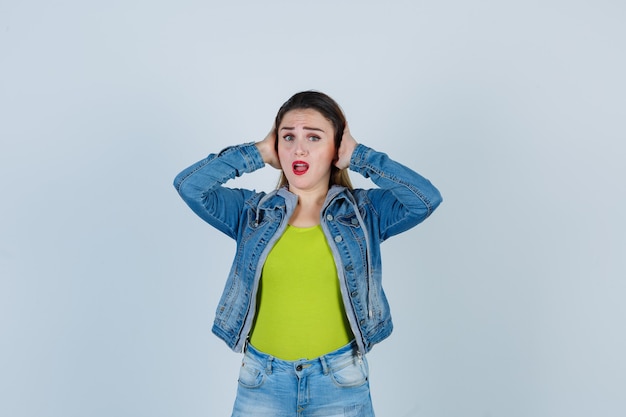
{"x": 300, "y": 312}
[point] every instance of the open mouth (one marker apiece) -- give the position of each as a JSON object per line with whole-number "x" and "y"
{"x": 299, "y": 167}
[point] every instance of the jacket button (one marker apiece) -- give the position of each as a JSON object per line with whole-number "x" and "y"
{"x": 355, "y": 221}
{"x": 338, "y": 239}
{"x": 329, "y": 217}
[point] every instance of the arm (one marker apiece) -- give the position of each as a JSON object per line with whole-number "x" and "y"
{"x": 404, "y": 198}
{"x": 200, "y": 186}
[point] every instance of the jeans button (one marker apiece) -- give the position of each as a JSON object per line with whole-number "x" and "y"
{"x": 299, "y": 368}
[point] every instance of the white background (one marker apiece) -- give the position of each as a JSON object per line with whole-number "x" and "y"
{"x": 508, "y": 301}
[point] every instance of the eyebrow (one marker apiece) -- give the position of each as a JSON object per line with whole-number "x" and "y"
{"x": 316, "y": 129}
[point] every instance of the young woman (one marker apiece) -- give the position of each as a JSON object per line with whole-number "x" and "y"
{"x": 304, "y": 299}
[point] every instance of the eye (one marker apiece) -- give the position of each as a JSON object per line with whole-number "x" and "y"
{"x": 288, "y": 138}
{"x": 314, "y": 138}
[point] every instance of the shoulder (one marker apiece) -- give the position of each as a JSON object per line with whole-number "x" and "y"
{"x": 262, "y": 199}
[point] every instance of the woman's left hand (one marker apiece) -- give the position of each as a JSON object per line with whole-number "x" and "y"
{"x": 348, "y": 144}
{"x": 344, "y": 153}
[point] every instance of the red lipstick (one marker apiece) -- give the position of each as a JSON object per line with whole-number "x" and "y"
{"x": 299, "y": 167}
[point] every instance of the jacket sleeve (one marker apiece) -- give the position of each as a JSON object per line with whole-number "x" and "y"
{"x": 200, "y": 186}
{"x": 404, "y": 198}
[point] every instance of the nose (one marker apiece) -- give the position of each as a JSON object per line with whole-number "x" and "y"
{"x": 301, "y": 149}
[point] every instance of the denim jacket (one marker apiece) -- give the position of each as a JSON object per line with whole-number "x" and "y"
{"x": 355, "y": 223}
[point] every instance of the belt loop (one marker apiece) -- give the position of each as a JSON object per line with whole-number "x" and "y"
{"x": 324, "y": 365}
{"x": 268, "y": 364}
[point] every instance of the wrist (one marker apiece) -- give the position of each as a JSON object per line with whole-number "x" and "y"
{"x": 262, "y": 148}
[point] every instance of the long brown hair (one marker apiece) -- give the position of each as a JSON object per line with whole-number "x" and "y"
{"x": 332, "y": 112}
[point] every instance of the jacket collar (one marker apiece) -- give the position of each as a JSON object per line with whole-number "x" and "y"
{"x": 291, "y": 200}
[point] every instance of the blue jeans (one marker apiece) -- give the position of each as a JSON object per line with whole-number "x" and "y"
{"x": 333, "y": 385}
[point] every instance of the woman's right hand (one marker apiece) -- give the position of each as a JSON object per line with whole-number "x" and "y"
{"x": 267, "y": 148}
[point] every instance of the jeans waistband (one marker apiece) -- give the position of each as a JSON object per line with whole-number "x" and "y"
{"x": 331, "y": 360}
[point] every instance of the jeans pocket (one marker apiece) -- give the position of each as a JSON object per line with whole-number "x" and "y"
{"x": 353, "y": 373}
{"x": 251, "y": 375}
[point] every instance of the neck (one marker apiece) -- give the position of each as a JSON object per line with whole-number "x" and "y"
{"x": 310, "y": 197}
{"x": 308, "y": 210}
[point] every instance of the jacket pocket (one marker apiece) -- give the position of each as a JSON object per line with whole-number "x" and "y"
{"x": 351, "y": 223}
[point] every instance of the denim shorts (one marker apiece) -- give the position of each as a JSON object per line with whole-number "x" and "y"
{"x": 333, "y": 385}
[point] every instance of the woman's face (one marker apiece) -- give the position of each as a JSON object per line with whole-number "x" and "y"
{"x": 306, "y": 149}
